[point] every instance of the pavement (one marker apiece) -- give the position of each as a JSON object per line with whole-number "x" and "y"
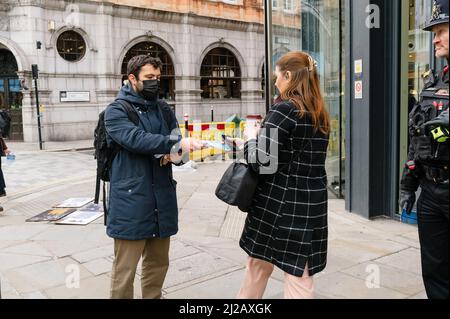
{"x": 377, "y": 259}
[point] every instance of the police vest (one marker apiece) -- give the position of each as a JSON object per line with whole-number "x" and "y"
{"x": 434, "y": 99}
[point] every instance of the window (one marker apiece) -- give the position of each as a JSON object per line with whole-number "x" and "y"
{"x": 167, "y": 90}
{"x": 220, "y": 75}
{"x": 71, "y": 46}
{"x": 8, "y": 63}
{"x": 288, "y": 5}
{"x": 275, "y": 4}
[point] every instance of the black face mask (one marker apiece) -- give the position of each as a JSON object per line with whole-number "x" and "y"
{"x": 150, "y": 90}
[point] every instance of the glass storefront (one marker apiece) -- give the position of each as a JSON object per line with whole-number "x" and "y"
{"x": 419, "y": 47}
{"x": 315, "y": 27}
{"x": 417, "y": 58}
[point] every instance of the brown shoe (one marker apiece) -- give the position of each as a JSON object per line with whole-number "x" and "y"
{"x": 1, "y": 209}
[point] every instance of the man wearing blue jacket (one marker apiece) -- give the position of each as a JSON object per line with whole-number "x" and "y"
{"x": 143, "y": 211}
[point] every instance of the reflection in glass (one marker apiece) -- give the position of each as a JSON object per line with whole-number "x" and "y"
{"x": 314, "y": 26}
{"x": 419, "y": 48}
{"x": 15, "y": 94}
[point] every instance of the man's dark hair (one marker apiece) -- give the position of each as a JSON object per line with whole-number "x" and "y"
{"x": 136, "y": 63}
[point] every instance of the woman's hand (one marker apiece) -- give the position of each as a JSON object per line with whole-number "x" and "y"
{"x": 7, "y": 151}
{"x": 251, "y": 132}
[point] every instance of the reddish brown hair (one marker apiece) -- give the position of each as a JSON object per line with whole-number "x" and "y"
{"x": 304, "y": 88}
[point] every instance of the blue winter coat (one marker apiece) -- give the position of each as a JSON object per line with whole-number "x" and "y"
{"x": 142, "y": 201}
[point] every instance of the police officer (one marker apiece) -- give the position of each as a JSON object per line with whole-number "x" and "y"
{"x": 427, "y": 164}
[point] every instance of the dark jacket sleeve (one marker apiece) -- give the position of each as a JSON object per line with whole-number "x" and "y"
{"x": 174, "y": 128}
{"x": 3, "y": 144}
{"x": 410, "y": 181}
{"x": 266, "y": 151}
{"x": 133, "y": 138}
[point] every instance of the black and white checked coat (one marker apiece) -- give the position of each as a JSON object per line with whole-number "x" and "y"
{"x": 287, "y": 223}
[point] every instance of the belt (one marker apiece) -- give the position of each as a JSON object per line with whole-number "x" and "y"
{"x": 438, "y": 175}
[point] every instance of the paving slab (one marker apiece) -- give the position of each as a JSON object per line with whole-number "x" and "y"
{"x": 225, "y": 287}
{"x": 19, "y": 232}
{"x": 361, "y": 251}
{"x": 195, "y": 266}
{"x": 343, "y": 286}
{"x": 90, "y": 288}
{"x": 95, "y": 253}
{"x": 98, "y": 266}
{"x": 390, "y": 277}
{"x": 44, "y": 275}
{"x": 28, "y": 248}
{"x": 405, "y": 260}
{"x": 10, "y": 260}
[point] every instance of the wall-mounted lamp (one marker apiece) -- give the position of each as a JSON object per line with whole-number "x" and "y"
{"x": 51, "y": 26}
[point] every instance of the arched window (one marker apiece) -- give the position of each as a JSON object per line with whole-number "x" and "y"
{"x": 71, "y": 46}
{"x": 220, "y": 75}
{"x": 167, "y": 73}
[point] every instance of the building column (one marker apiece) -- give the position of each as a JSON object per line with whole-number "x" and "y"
{"x": 187, "y": 97}
{"x": 371, "y": 107}
{"x": 252, "y": 97}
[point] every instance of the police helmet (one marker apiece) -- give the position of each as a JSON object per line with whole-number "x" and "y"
{"x": 439, "y": 14}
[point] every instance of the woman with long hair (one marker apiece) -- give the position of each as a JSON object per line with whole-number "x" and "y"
{"x": 287, "y": 222}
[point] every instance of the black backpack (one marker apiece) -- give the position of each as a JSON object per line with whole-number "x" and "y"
{"x": 105, "y": 154}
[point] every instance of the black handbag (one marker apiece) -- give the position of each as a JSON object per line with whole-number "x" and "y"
{"x": 238, "y": 185}
{"x": 239, "y": 182}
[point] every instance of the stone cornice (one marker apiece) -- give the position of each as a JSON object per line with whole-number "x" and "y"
{"x": 78, "y": 75}
{"x": 123, "y": 11}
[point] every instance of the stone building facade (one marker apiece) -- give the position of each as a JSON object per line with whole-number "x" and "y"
{"x": 213, "y": 54}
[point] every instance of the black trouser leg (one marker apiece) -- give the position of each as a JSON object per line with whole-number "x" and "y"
{"x": 433, "y": 220}
{"x": 2, "y": 178}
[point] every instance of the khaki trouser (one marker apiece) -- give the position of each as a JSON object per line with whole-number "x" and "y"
{"x": 155, "y": 262}
{"x": 258, "y": 273}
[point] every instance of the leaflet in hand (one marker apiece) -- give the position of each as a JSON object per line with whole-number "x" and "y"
{"x": 218, "y": 145}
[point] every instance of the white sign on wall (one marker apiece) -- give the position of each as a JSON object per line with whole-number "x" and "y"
{"x": 74, "y": 96}
{"x": 358, "y": 66}
{"x": 358, "y": 90}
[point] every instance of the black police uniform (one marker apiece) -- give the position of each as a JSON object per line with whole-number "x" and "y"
{"x": 427, "y": 167}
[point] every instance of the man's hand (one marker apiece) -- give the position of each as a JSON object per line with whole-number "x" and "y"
{"x": 190, "y": 144}
{"x": 239, "y": 142}
{"x": 7, "y": 151}
{"x": 407, "y": 201}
